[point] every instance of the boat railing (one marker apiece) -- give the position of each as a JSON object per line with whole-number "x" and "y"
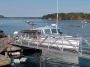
{"x": 86, "y": 45}
{"x": 84, "y": 48}
{"x": 46, "y": 42}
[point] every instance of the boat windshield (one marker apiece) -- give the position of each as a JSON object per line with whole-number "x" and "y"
{"x": 54, "y": 31}
{"x": 59, "y": 31}
{"x": 47, "y": 31}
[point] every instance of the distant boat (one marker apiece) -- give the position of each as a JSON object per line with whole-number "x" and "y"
{"x": 27, "y": 21}
{"x": 30, "y": 22}
{"x": 85, "y": 21}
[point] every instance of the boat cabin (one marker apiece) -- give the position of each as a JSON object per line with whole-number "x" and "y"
{"x": 41, "y": 31}
{"x": 49, "y": 30}
{"x": 30, "y": 33}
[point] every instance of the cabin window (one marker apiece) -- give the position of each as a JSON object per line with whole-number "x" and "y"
{"x": 32, "y": 34}
{"x": 47, "y": 31}
{"x": 59, "y": 31}
{"x": 54, "y": 31}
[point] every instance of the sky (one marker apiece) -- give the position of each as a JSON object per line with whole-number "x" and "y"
{"x": 38, "y": 8}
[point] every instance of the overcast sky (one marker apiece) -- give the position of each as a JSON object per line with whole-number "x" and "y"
{"x": 37, "y": 8}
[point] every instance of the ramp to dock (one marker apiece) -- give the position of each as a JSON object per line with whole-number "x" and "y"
{"x": 4, "y": 43}
{"x": 4, "y": 60}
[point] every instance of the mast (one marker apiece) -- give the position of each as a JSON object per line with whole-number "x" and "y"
{"x": 57, "y": 18}
{"x": 57, "y": 15}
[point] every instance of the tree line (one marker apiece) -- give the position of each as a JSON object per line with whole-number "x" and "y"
{"x": 1, "y": 16}
{"x": 68, "y": 16}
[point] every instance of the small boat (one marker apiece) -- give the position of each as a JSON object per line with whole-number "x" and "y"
{"x": 84, "y": 21}
{"x": 48, "y": 35}
{"x": 29, "y": 21}
{"x": 50, "y": 40}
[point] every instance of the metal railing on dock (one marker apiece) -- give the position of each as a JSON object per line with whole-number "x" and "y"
{"x": 44, "y": 44}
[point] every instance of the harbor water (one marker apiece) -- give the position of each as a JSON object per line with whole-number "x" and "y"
{"x": 69, "y": 27}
